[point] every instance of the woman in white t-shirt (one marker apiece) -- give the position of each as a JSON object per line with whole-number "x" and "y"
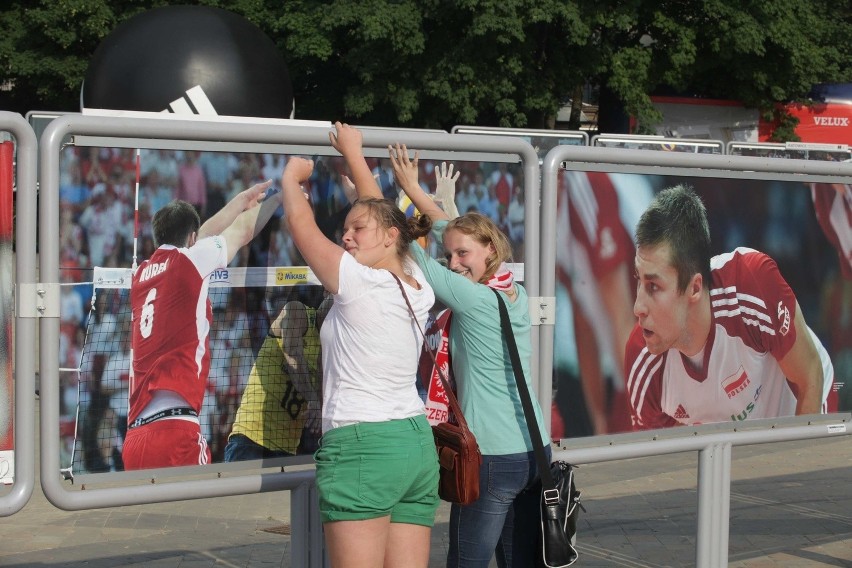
{"x": 377, "y": 470}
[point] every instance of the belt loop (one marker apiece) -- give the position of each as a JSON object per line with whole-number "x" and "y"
{"x": 358, "y": 433}
{"x": 415, "y": 422}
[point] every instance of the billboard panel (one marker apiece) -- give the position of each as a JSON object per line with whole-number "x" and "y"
{"x": 603, "y": 386}
{"x": 106, "y": 209}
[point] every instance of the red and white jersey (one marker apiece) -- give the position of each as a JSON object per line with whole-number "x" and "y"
{"x": 171, "y": 322}
{"x": 588, "y": 208}
{"x": 596, "y": 216}
{"x": 753, "y": 310}
{"x": 834, "y": 212}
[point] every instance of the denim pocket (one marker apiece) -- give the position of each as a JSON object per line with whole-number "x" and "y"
{"x": 507, "y": 478}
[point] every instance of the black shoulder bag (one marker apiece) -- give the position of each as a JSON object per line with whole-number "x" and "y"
{"x": 560, "y": 500}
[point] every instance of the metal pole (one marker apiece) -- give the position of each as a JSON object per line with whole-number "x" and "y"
{"x": 25, "y": 326}
{"x": 299, "y": 534}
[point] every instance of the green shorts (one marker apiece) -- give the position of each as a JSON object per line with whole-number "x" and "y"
{"x": 374, "y": 469}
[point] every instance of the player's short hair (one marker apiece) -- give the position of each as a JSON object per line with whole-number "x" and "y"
{"x": 483, "y": 230}
{"x": 174, "y": 223}
{"x": 677, "y": 217}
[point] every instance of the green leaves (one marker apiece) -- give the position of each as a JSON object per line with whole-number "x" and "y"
{"x": 436, "y": 63}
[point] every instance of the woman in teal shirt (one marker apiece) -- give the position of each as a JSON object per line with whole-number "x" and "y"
{"x": 504, "y": 518}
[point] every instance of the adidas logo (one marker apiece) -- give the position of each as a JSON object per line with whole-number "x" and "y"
{"x": 680, "y": 413}
{"x": 194, "y": 101}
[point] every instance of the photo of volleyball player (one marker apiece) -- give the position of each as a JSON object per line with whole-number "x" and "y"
{"x": 279, "y": 412}
{"x": 719, "y": 338}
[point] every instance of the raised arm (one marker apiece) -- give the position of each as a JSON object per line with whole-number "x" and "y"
{"x": 802, "y": 367}
{"x": 348, "y": 141}
{"x": 243, "y": 201}
{"x": 405, "y": 172}
{"x": 322, "y": 255}
{"x": 250, "y": 222}
{"x": 291, "y": 326}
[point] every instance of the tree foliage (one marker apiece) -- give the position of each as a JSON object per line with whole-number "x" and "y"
{"x": 435, "y": 63}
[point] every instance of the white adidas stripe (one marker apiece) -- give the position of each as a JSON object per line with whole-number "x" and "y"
{"x": 200, "y": 102}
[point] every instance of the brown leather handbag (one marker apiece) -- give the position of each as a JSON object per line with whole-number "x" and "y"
{"x": 459, "y": 457}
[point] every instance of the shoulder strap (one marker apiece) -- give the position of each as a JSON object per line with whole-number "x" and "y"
{"x": 451, "y": 397}
{"x": 524, "y": 391}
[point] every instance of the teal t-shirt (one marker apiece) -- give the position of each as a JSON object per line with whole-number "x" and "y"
{"x": 487, "y": 391}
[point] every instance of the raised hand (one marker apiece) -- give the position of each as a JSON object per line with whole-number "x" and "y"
{"x": 445, "y": 189}
{"x": 404, "y": 169}
{"x": 346, "y": 139}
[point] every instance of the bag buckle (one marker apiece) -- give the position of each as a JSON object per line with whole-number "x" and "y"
{"x": 550, "y": 496}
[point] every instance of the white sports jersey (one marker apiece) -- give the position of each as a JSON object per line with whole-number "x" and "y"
{"x": 753, "y": 312}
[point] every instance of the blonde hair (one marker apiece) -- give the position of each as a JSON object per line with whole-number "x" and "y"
{"x": 483, "y": 230}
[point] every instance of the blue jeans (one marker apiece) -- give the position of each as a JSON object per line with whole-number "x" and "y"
{"x": 503, "y": 521}
{"x": 242, "y": 447}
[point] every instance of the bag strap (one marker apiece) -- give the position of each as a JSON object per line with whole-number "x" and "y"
{"x": 451, "y": 397}
{"x": 526, "y": 401}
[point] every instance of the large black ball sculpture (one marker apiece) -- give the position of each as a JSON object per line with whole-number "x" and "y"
{"x": 189, "y": 59}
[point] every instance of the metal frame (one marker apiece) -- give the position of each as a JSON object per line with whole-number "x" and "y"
{"x": 713, "y": 443}
{"x": 497, "y": 131}
{"x": 789, "y": 147}
{"x": 25, "y": 326}
{"x": 307, "y": 539}
{"x": 653, "y": 139}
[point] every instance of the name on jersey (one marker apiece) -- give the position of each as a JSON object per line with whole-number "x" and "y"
{"x": 153, "y": 269}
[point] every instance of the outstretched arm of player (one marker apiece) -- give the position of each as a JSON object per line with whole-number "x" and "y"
{"x": 291, "y": 326}
{"x": 803, "y": 368}
{"x": 405, "y": 172}
{"x": 244, "y": 200}
{"x": 348, "y": 141}
{"x": 322, "y": 255}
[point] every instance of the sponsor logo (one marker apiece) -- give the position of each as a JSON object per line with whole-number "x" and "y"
{"x": 220, "y": 275}
{"x": 736, "y": 383}
{"x": 748, "y": 409}
{"x": 831, "y": 120}
{"x": 194, "y": 101}
{"x": 744, "y": 414}
{"x": 285, "y": 276}
{"x": 783, "y": 318}
{"x": 681, "y": 413}
{"x": 153, "y": 269}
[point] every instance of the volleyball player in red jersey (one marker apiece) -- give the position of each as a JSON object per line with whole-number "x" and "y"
{"x": 171, "y": 321}
{"x": 718, "y": 339}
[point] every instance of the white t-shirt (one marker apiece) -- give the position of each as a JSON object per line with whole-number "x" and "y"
{"x": 371, "y": 347}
